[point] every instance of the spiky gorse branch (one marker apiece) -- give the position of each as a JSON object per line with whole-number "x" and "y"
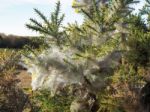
{"x": 106, "y": 19}
{"x": 51, "y": 27}
{"x": 104, "y": 24}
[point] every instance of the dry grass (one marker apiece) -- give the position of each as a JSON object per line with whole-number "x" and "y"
{"x": 24, "y": 79}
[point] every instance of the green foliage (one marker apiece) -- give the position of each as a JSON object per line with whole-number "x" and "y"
{"x": 136, "y": 22}
{"x": 8, "y": 59}
{"x": 45, "y": 102}
{"x": 50, "y": 28}
{"x": 146, "y": 12}
{"x": 139, "y": 45}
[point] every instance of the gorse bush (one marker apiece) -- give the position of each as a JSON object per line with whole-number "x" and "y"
{"x": 51, "y": 28}
{"x": 44, "y": 102}
{"x": 11, "y": 97}
{"x": 107, "y": 57}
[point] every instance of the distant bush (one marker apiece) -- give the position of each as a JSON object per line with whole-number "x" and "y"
{"x": 13, "y": 41}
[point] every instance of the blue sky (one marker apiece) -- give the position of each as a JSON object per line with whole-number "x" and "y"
{"x": 15, "y": 13}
